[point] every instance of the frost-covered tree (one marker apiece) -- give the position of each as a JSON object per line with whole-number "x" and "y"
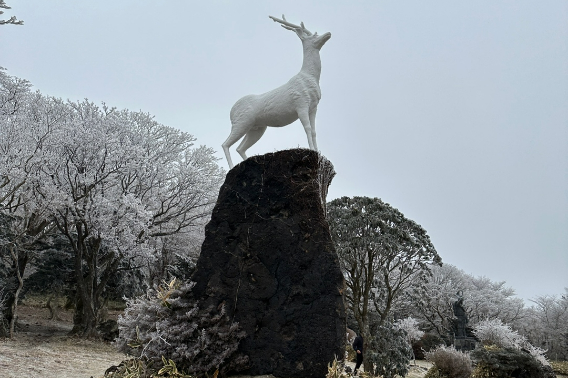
{"x": 27, "y": 121}
{"x": 495, "y": 332}
{"x": 123, "y": 189}
{"x": 434, "y": 308}
{"x": 546, "y": 325}
{"x": 179, "y": 185}
{"x": 21, "y": 141}
{"x": 177, "y": 256}
{"x": 12, "y": 20}
{"x": 382, "y": 255}
{"x": 410, "y": 326}
{"x": 121, "y": 185}
{"x": 493, "y": 300}
{"x": 103, "y": 223}
{"x": 483, "y": 299}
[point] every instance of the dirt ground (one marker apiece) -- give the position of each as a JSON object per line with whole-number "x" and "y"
{"x": 42, "y": 349}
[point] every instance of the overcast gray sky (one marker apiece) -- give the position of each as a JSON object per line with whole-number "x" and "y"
{"x": 456, "y": 113}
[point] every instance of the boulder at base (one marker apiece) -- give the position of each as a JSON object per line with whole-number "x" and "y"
{"x": 268, "y": 256}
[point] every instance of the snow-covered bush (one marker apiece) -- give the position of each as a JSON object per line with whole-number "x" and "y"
{"x": 168, "y": 322}
{"x": 413, "y": 333}
{"x": 449, "y": 363}
{"x": 497, "y": 362}
{"x": 495, "y": 332}
{"x": 410, "y": 326}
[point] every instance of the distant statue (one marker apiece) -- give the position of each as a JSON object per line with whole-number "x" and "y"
{"x": 298, "y": 98}
{"x": 461, "y": 316}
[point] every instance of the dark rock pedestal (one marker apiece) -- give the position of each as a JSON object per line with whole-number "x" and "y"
{"x": 269, "y": 257}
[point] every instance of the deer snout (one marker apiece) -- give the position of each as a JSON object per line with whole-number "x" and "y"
{"x": 321, "y": 40}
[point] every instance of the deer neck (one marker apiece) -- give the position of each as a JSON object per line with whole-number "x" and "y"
{"x": 312, "y": 62}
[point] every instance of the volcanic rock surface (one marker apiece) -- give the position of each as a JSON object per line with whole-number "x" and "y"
{"x": 268, "y": 256}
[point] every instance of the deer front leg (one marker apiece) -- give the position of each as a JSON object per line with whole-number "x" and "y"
{"x": 313, "y": 124}
{"x": 305, "y": 119}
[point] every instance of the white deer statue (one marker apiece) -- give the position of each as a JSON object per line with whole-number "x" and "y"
{"x": 298, "y": 98}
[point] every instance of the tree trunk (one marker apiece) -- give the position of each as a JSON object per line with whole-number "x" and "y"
{"x": 364, "y": 331}
{"x": 77, "y": 315}
{"x": 367, "y": 364}
{"x": 20, "y": 263}
{"x": 91, "y": 281}
{"x": 52, "y": 308}
{"x": 85, "y": 314}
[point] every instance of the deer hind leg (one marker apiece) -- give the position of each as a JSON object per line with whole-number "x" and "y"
{"x": 250, "y": 138}
{"x": 236, "y": 134}
{"x": 305, "y": 119}
{"x": 313, "y": 125}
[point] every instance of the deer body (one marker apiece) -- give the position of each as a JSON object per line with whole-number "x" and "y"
{"x": 297, "y": 99}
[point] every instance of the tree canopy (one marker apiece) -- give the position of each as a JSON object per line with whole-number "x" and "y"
{"x": 124, "y": 190}
{"x": 12, "y": 20}
{"x": 383, "y": 254}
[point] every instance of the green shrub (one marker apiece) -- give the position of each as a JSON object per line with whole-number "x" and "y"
{"x": 449, "y": 363}
{"x": 496, "y": 362}
{"x": 389, "y": 352}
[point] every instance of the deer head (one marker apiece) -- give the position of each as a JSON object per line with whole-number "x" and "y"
{"x": 313, "y": 40}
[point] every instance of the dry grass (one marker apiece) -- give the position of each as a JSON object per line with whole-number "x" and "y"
{"x": 560, "y": 367}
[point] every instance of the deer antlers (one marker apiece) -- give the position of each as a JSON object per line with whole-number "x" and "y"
{"x": 289, "y": 26}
